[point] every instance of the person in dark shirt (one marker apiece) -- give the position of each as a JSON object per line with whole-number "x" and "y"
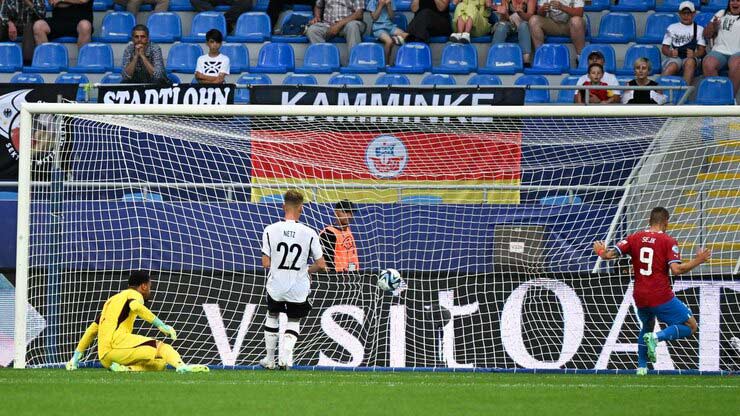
{"x": 337, "y": 241}
{"x": 431, "y": 18}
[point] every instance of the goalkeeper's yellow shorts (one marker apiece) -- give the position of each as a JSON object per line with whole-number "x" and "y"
{"x": 129, "y": 350}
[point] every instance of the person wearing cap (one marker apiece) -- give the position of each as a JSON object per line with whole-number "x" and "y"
{"x": 337, "y": 241}
{"x": 596, "y": 57}
{"x": 559, "y": 18}
{"x": 725, "y": 30}
{"x": 683, "y": 44}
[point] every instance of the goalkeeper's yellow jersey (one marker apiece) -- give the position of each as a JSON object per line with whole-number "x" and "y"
{"x": 117, "y": 320}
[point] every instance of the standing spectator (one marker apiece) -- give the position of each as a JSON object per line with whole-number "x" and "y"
{"x": 337, "y": 18}
{"x": 337, "y": 241}
{"x": 213, "y": 67}
{"x": 68, "y": 18}
{"x": 275, "y": 7}
{"x": 471, "y": 19}
{"x": 725, "y": 30}
{"x": 142, "y": 61}
{"x": 383, "y": 27}
{"x": 595, "y": 75}
{"x": 431, "y": 18}
{"x": 237, "y": 7}
{"x": 15, "y": 17}
{"x": 556, "y": 18}
{"x": 597, "y": 57}
{"x": 643, "y": 68}
{"x": 514, "y": 18}
{"x": 683, "y": 44}
{"x": 133, "y": 6}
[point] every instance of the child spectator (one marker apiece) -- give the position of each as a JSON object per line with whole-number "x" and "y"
{"x": 471, "y": 19}
{"x": 213, "y": 67}
{"x": 595, "y": 73}
{"x": 383, "y": 27}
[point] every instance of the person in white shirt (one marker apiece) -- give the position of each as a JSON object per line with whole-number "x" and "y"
{"x": 596, "y": 57}
{"x": 286, "y": 247}
{"x": 556, "y": 18}
{"x": 725, "y": 30}
{"x": 683, "y": 44}
{"x": 213, "y": 67}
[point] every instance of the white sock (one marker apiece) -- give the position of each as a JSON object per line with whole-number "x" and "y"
{"x": 290, "y": 337}
{"x": 271, "y": 336}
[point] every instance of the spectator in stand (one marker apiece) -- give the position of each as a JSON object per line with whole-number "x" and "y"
{"x": 431, "y": 18}
{"x": 683, "y": 44}
{"x": 383, "y": 27}
{"x": 595, "y": 74}
{"x": 142, "y": 61}
{"x": 597, "y": 57}
{"x": 557, "y": 18}
{"x": 725, "y": 53}
{"x": 68, "y": 18}
{"x": 213, "y": 67}
{"x": 643, "y": 68}
{"x": 15, "y": 17}
{"x": 513, "y": 18}
{"x": 471, "y": 19}
{"x": 275, "y": 7}
{"x": 237, "y": 7}
{"x": 132, "y": 6}
{"x": 337, "y": 18}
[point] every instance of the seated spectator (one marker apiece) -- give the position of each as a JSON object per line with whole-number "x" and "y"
{"x": 595, "y": 75}
{"x": 683, "y": 44}
{"x": 237, "y": 7}
{"x": 337, "y": 18}
{"x": 383, "y": 27}
{"x": 213, "y": 67}
{"x": 471, "y": 19}
{"x": 431, "y": 18}
{"x": 68, "y": 18}
{"x": 725, "y": 30}
{"x": 15, "y": 17}
{"x": 557, "y": 18}
{"x": 142, "y": 61}
{"x": 132, "y": 6}
{"x": 275, "y": 7}
{"x": 597, "y": 57}
{"x": 513, "y": 19}
{"x": 643, "y": 68}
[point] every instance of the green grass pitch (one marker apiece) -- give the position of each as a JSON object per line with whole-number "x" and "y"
{"x": 96, "y": 391}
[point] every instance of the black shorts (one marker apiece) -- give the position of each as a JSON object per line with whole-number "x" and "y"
{"x": 293, "y": 310}
{"x": 63, "y": 27}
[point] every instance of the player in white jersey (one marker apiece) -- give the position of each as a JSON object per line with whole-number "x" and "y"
{"x": 286, "y": 248}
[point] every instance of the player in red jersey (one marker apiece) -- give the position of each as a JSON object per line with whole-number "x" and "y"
{"x": 653, "y": 253}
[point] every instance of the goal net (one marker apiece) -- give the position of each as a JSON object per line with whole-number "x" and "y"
{"x": 489, "y": 214}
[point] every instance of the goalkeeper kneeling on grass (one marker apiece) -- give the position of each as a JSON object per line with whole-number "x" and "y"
{"x": 118, "y": 348}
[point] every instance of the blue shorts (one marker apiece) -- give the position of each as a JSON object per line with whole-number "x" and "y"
{"x": 389, "y": 28}
{"x": 722, "y": 58}
{"x": 673, "y": 312}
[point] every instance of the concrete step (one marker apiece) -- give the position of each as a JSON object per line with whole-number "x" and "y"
{"x": 719, "y": 176}
{"x": 724, "y": 158}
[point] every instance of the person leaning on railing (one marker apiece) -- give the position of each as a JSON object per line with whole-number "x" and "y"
{"x": 643, "y": 68}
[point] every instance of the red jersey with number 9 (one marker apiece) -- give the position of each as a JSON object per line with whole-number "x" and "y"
{"x": 652, "y": 253}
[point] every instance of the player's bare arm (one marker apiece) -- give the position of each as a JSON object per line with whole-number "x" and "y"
{"x": 701, "y": 256}
{"x": 265, "y": 261}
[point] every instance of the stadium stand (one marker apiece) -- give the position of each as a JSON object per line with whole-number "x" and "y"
{"x": 242, "y": 94}
{"x": 164, "y": 27}
{"x": 610, "y": 59}
{"x": 238, "y": 57}
{"x": 438, "y": 79}
{"x": 655, "y": 27}
{"x": 392, "y": 79}
{"x": 300, "y": 79}
{"x": 616, "y": 27}
{"x": 251, "y": 27}
{"x": 553, "y": 59}
{"x": 27, "y": 79}
{"x": 457, "y": 59}
{"x": 11, "y": 57}
{"x": 320, "y": 58}
{"x": 412, "y": 58}
{"x": 640, "y": 51}
{"x": 715, "y": 91}
{"x": 116, "y": 28}
{"x": 49, "y": 57}
{"x": 503, "y": 58}
{"x": 484, "y": 79}
{"x": 275, "y": 58}
{"x": 202, "y": 23}
{"x": 365, "y": 58}
{"x": 183, "y": 57}
{"x": 78, "y": 79}
{"x": 534, "y": 96}
{"x": 672, "y": 81}
{"x": 94, "y": 58}
{"x": 566, "y": 96}
{"x": 346, "y": 79}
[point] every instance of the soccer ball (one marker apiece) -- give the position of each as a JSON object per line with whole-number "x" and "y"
{"x": 389, "y": 280}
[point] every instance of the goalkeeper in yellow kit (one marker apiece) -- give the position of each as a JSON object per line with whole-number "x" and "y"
{"x": 118, "y": 348}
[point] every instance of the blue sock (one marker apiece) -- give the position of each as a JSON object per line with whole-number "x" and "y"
{"x": 642, "y": 348}
{"x": 674, "y": 332}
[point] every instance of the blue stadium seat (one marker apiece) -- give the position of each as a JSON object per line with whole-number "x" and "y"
{"x": 261, "y": 5}
{"x": 365, "y": 58}
{"x": 49, "y": 57}
{"x": 346, "y": 79}
{"x": 550, "y": 59}
{"x": 11, "y": 57}
{"x": 111, "y": 78}
{"x": 655, "y": 27}
{"x": 75, "y": 79}
{"x": 181, "y": 6}
{"x": 421, "y": 199}
{"x": 320, "y": 58}
{"x": 142, "y": 197}
{"x": 561, "y": 200}
{"x": 27, "y": 79}
{"x": 164, "y": 27}
{"x": 624, "y": 79}
{"x": 173, "y": 78}
{"x": 567, "y": 96}
{"x": 94, "y": 58}
{"x": 271, "y": 199}
{"x": 633, "y": 6}
{"x": 183, "y": 57}
{"x": 412, "y": 58}
{"x": 252, "y": 27}
{"x": 597, "y": 6}
{"x": 402, "y": 5}
{"x": 640, "y": 51}
{"x": 616, "y": 27}
{"x": 715, "y": 91}
{"x": 610, "y": 59}
{"x": 102, "y": 5}
{"x": 457, "y": 59}
{"x": 290, "y": 39}
{"x": 202, "y": 23}
{"x": 116, "y": 28}
{"x": 484, "y": 79}
{"x": 672, "y": 81}
{"x": 275, "y": 58}
{"x": 439, "y": 79}
{"x": 672, "y": 5}
{"x": 8, "y": 196}
{"x": 703, "y": 18}
{"x": 714, "y": 6}
{"x": 238, "y": 56}
{"x": 242, "y": 94}
{"x": 392, "y": 79}
{"x": 534, "y": 96}
{"x": 504, "y": 59}
{"x": 300, "y": 79}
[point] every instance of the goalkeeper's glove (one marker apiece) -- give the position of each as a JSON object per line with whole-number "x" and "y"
{"x": 74, "y": 363}
{"x": 166, "y": 329}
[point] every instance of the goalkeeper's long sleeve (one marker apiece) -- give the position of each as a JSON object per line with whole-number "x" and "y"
{"x": 87, "y": 339}
{"x": 142, "y": 311}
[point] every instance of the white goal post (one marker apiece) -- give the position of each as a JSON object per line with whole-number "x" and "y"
{"x": 569, "y": 175}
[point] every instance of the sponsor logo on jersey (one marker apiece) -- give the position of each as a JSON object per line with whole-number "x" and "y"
{"x": 386, "y": 156}
{"x": 675, "y": 249}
